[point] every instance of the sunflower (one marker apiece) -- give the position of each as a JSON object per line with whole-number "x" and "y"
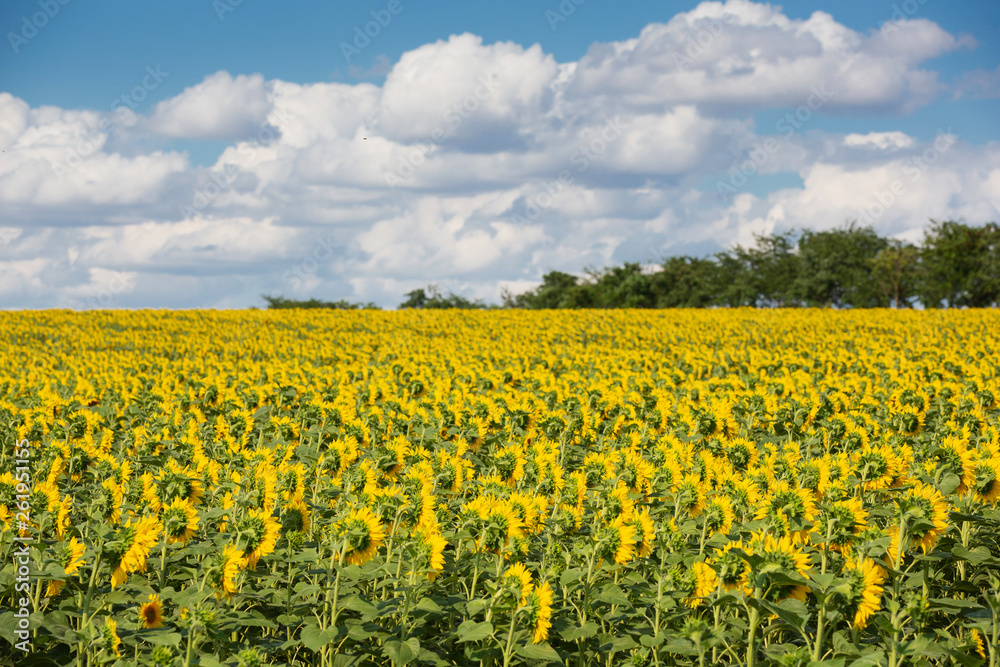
{"x": 706, "y": 580}
{"x": 527, "y": 511}
{"x": 296, "y": 516}
{"x": 789, "y": 557}
{"x": 109, "y": 635}
{"x": 617, "y": 503}
{"x": 955, "y": 457}
{"x": 180, "y": 520}
{"x": 644, "y": 531}
{"x": 856, "y": 438}
{"x": 518, "y": 577}
{"x": 874, "y": 467}
{"x": 225, "y": 568}
{"x": 742, "y": 453}
{"x": 977, "y": 640}
{"x": 132, "y": 547}
{"x": 264, "y": 487}
{"x": 843, "y": 521}
{"x": 509, "y": 463}
{"x": 112, "y": 498}
{"x": 689, "y": 495}
{"x": 796, "y": 504}
{"x": 733, "y": 568}
{"x": 150, "y": 492}
{"x": 260, "y": 530}
{"x": 71, "y": 558}
{"x": 616, "y": 541}
{"x": 597, "y": 466}
{"x": 362, "y": 533}
{"x": 636, "y": 473}
{"x": 718, "y": 514}
{"x": 430, "y": 549}
{"x": 151, "y": 613}
{"x": 863, "y": 578}
{"x": 500, "y": 524}
{"x": 815, "y": 476}
{"x": 742, "y": 492}
{"x": 539, "y": 605}
{"x": 987, "y": 484}
{"x": 925, "y": 513}
{"x": 908, "y": 420}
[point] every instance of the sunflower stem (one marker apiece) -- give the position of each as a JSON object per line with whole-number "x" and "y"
{"x": 754, "y": 622}
{"x": 510, "y": 638}
{"x": 163, "y": 563}
{"x": 820, "y": 621}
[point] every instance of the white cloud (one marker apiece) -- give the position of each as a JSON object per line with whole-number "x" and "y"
{"x": 737, "y": 55}
{"x": 474, "y": 166}
{"x": 219, "y": 108}
{"x": 882, "y": 140}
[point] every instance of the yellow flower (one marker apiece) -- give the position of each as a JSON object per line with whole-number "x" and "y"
{"x": 71, "y": 558}
{"x": 718, "y": 514}
{"x": 706, "y": 580}
{"x": 109, "y": 634}
{"x": 296, "y": 516}
{"x": 540, "y": 608}
{"x": 788, "y": 556}
{"x": 518, "y": 575}
{"x": 363, "y": 535}
{"x": 978, "y": 640}
{"x": 136, "y": 540}
{"x": 864, "y": 579}
{"x": 180, "y": 520}
{"x": 621, "y": 540}
{"x": 924, "y": 512}
{"x": 645, "y": 531}
{"x": 260, "y": 531}
{"x": 151, "y": 613}
{"x": 431, "y": 548}
{"x": 225, "y": 569}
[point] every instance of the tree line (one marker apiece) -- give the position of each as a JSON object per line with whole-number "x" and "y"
{"x": 956, "y": 265}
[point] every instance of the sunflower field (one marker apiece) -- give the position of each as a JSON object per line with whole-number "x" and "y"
{"x": 606, "y": 487}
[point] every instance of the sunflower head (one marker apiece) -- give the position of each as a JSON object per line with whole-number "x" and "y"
{"x": 151, "y": 613}
{"x": 109, "y": 636}
{"x": 518, "y": 579}
{"x": 539, "y": 605}
{"x": 863, "y": 578}
{"x": 180, "y": 520}
{"x": 259, "y": 534}
{"x": 362, "y": 534}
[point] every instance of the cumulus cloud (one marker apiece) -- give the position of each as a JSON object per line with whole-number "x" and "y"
{"x": 478, "y": 166}
{"x": 881, "y": 140}
{"x": 219, "y": 108}
{"x": 739, "y": 54}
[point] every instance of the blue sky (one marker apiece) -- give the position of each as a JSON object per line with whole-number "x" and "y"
{"x": 224, "y": 69}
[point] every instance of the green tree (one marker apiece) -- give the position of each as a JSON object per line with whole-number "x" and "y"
{"x": 894, "y": 270}
{"x": 624, "y": 286}
{"x": 684, "y": 282}
{"x": 835, "y": 268}
{"x": 757, "y": 276}
{"x": 554, "y": 292}
{"x": 960, "y": 265}
{"x": 279, "y": 302}
{"x": 431, "y": 297}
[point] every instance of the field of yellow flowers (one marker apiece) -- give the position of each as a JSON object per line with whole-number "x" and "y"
{"x": 612, "y": 487}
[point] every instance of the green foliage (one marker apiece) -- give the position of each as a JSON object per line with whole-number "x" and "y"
{"x": 432, "y": 297}
{"x": 960, "y": 265}
{"x": 280, "y": 302}
{"x": 850, "y": 267}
